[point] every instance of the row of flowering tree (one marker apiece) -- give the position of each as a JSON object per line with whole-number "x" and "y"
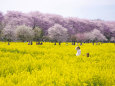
{"x": 35, "y": 26}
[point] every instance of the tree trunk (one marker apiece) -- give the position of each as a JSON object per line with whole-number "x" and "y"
{"x": 36, "y": 43}
{"x": 96, "y": 43}
{"x": 55, "y": 43}
{"x": 93, "y": 43}
{"x": 74, "y": 43}
{"x": 59, "y": 43}
{"x": 31, "y": 42}
{"x": 28, "y": 43}
{"x": 8, "y": 43}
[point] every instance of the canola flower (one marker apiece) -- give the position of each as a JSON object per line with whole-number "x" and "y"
{"x": 56, "y": 65}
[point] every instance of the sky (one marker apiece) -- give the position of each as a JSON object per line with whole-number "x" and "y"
{"x": 85, "y": 9}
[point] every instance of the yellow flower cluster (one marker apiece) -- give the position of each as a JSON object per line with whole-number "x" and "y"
{"x": 56, "y": 65}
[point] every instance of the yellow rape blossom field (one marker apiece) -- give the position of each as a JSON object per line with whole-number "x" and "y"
{"x": 56, "y": 65}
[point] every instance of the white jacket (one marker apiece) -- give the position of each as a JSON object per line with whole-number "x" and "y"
{"x": 78, "y": 52}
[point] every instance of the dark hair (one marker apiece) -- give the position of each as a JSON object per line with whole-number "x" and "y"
{"x": 78, "y": 47}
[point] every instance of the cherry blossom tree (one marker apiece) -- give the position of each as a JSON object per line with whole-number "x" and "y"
{"x": 95, "y": 35}
{"x": 24, "y": 33}
{"x": 74, "y": 26}
{"x": 80, "y": 37}
{"x": 38, "y": 19}
{"x": 38, "y": 34}
{"x": 8, "y": 34}
{"x": 58, "y": 33}
{"x": 15, "y": 18}
{"x": 1, "y": 23}
{"x": 1, "y": 17}
{"x": 113, "y": 39}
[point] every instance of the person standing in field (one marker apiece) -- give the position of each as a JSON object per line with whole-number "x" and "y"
{"x": 78, "y": 51}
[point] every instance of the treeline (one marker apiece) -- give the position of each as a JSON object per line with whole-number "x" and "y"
{"x": 36, "y": 26}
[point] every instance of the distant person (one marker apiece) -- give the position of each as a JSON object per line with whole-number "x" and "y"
{"x": 78, "y": 51}
{"x": 28, "y": 43}
{"x": 81, "y": 43}
{"x": 41, "y": 43}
